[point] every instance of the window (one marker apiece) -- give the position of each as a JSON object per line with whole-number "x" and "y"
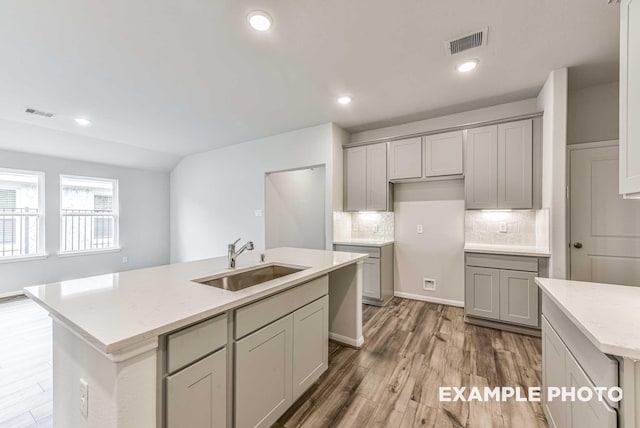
{"x": 89, "y": 214}
{"x": 21, "y": 223}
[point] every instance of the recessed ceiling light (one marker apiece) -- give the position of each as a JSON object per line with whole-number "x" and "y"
{"x": 467, "y": 66}
{"x": 259, "y": 20}
{"x": 344, "y": 100}
{"x": 82, "y": 121}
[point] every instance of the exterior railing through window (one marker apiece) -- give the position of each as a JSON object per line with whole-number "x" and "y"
{"x": 19, "y": 232}
{"x": 86, "y": 230}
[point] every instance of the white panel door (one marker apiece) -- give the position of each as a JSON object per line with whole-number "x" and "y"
{"x": 405, "y": 159}
{"x": 629, "y": 97}
{"x": 515, "y": 165}
{"x": 310, "y": 344}
{"x": 481, "y": 168}
{"x": 605, "y": 228}
{"x": 355, "y": 179}
{"x": 376, "y": 178}
{"x": 443, "y": 154}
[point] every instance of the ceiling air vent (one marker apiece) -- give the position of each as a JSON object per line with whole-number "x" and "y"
{"x": 38, "y": 112}
{"x": 468, "y": 41}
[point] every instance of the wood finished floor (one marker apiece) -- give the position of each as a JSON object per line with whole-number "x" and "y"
{"x": 411, "y": 348}
{"x": 25, "y": 365}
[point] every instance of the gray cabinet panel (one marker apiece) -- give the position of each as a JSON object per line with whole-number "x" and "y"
{"x": 482, "y": 292}
{"x": 355, "y": 179}
{"x": 371, "y": 278}
{"x": 264, "y": 384}
{"x": 377, "y": 183}
{"x": 515, "y": 164}
{"x": 481, "y": 168}
{"x": 519, "y": 298}
{"x": 193, "y": 343}
{"x": 553, "y": 375}
{"x": 196, "y": 396}
{"x": 443, "y": 154}
{"x": 405, "y": 159}
{"x": 310, "y": 344}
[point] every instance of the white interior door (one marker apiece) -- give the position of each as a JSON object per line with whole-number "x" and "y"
{"x": 605, "y": 228}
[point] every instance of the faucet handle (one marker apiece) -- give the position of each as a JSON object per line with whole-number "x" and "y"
{"x": 237, "y": 240}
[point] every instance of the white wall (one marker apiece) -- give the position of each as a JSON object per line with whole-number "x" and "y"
{"x": 214, "y": 194}
{"x": 593, "y": 114}
{"x": 553, "y": 100}
{"x": 144, "y": 222}
{"x": 437, "y": 253}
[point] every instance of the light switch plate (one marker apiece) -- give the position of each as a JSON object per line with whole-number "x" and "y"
{"x": 258, "y": 213}
{"x": 419, "y": 229}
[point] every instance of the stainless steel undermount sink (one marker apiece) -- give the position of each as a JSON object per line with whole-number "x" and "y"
{"x": 240, "y": 280}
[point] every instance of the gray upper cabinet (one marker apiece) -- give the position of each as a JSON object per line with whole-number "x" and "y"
{"x": 405, "y": 159}
{"x": 481, "y": 168}
{"x": 366, "y": 186}
{"x": 197, "y": 395}
{"x": 515, "y": 164}
{"x": 310, "y": 344}
{"x": 629, "y": 98}
{"x": 482, "y": 292}
{"x": 519, "y": 297}
{"x": 355, "y": 178}
{"x": 443, "y": 154}
{"x": 264, "y": 384}
{"x": 499, "y": 166}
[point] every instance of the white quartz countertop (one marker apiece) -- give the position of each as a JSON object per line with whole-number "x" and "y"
{"x": 515, "y": 250}
{"x": 116, "y": 312}
{"x": 365, "y": 242}
{"x": 609, "y": 315}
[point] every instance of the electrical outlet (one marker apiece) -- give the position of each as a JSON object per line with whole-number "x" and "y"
{"x": 419, "y": 229}
{"x": 258, "y": 213}
{"x": 376, "y": 228}
{"x": 429, "y": 284}
{"x": 503, "y": 227}
{"x": 84, "y": 398}
{"x": 125, "y": 259}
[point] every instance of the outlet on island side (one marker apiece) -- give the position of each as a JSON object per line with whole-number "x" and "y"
{"x": 429, "y": 284}
{"x": 84, "y": 398}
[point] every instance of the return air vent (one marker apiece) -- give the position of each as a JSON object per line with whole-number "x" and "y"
{"x": 38, "y": 112}
{"x": 468, "y": 41}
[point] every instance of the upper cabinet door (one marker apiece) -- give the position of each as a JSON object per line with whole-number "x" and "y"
{"x": 405, "y": 159}
{"x": 355, "y": 189}
{"x": 443, "y": 154}
{"x": 630, "y": 97}
{"x": 515, "y": 164}
{"x": 376, "y": 178}
{"x": 481, "y": 168}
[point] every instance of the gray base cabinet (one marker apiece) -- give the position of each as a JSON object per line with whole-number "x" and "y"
{"x": 197, "y": 395}
{"x": 310, "y": 344}
{"x": 502, "y": 288}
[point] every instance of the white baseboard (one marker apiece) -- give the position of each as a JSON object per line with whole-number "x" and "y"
{"x": 438, "y": 300}
{"x": 12, "y": 294}
{"x": 347, "y": 340}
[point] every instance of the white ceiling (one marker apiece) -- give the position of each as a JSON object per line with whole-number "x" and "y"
{"x": 180, "y": 77}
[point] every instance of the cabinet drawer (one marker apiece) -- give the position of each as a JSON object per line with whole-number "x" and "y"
{"x": 373, "y": 252}
{"x": 527, "y": 264}
{"x": 600, "y": 368}
{"x": 192, "y": 343}
{"x": 256, "y": 315}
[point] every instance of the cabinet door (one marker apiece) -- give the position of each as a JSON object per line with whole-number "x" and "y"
{"x": 197, "y": 395}
{"x": 553, "y": 375}
{"x": 482, "y": 292}
{"x": 443, "y": 154}
{"x": 630, "y": 97}
{"x": 405, "y": 159}
{"x": 586, "y": 414}
{"x": 377, "y": 183}
{"x": 355, "y": 179}
{"x": 481, "y": 168}
{"x": 264, "y": 385}
{"x": 518, "y": 297}
{"x": 515, "y": 164}
{"x": 310, "y": 344}
{"x": 371, "y": 278}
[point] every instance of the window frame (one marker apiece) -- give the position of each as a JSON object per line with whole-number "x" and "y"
{"x": 41, "y": 238}
{"x": 115, "y": 214}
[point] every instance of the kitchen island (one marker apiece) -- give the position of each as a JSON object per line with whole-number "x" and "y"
{"x": 131, "y": 336}
{"x": 591, "y": 338}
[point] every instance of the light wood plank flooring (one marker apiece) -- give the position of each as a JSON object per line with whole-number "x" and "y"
{"x": 25, "y": 365}
{"x": 411, "y": 348}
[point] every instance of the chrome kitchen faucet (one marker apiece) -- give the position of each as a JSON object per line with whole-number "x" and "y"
{"x": 233, "y": 254}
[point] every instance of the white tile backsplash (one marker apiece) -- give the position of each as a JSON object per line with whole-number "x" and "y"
{"x": 364, "y": 226}
{"x": 526, "y": 228}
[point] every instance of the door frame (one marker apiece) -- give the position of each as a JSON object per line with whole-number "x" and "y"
{"x": 571, "y": 148}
